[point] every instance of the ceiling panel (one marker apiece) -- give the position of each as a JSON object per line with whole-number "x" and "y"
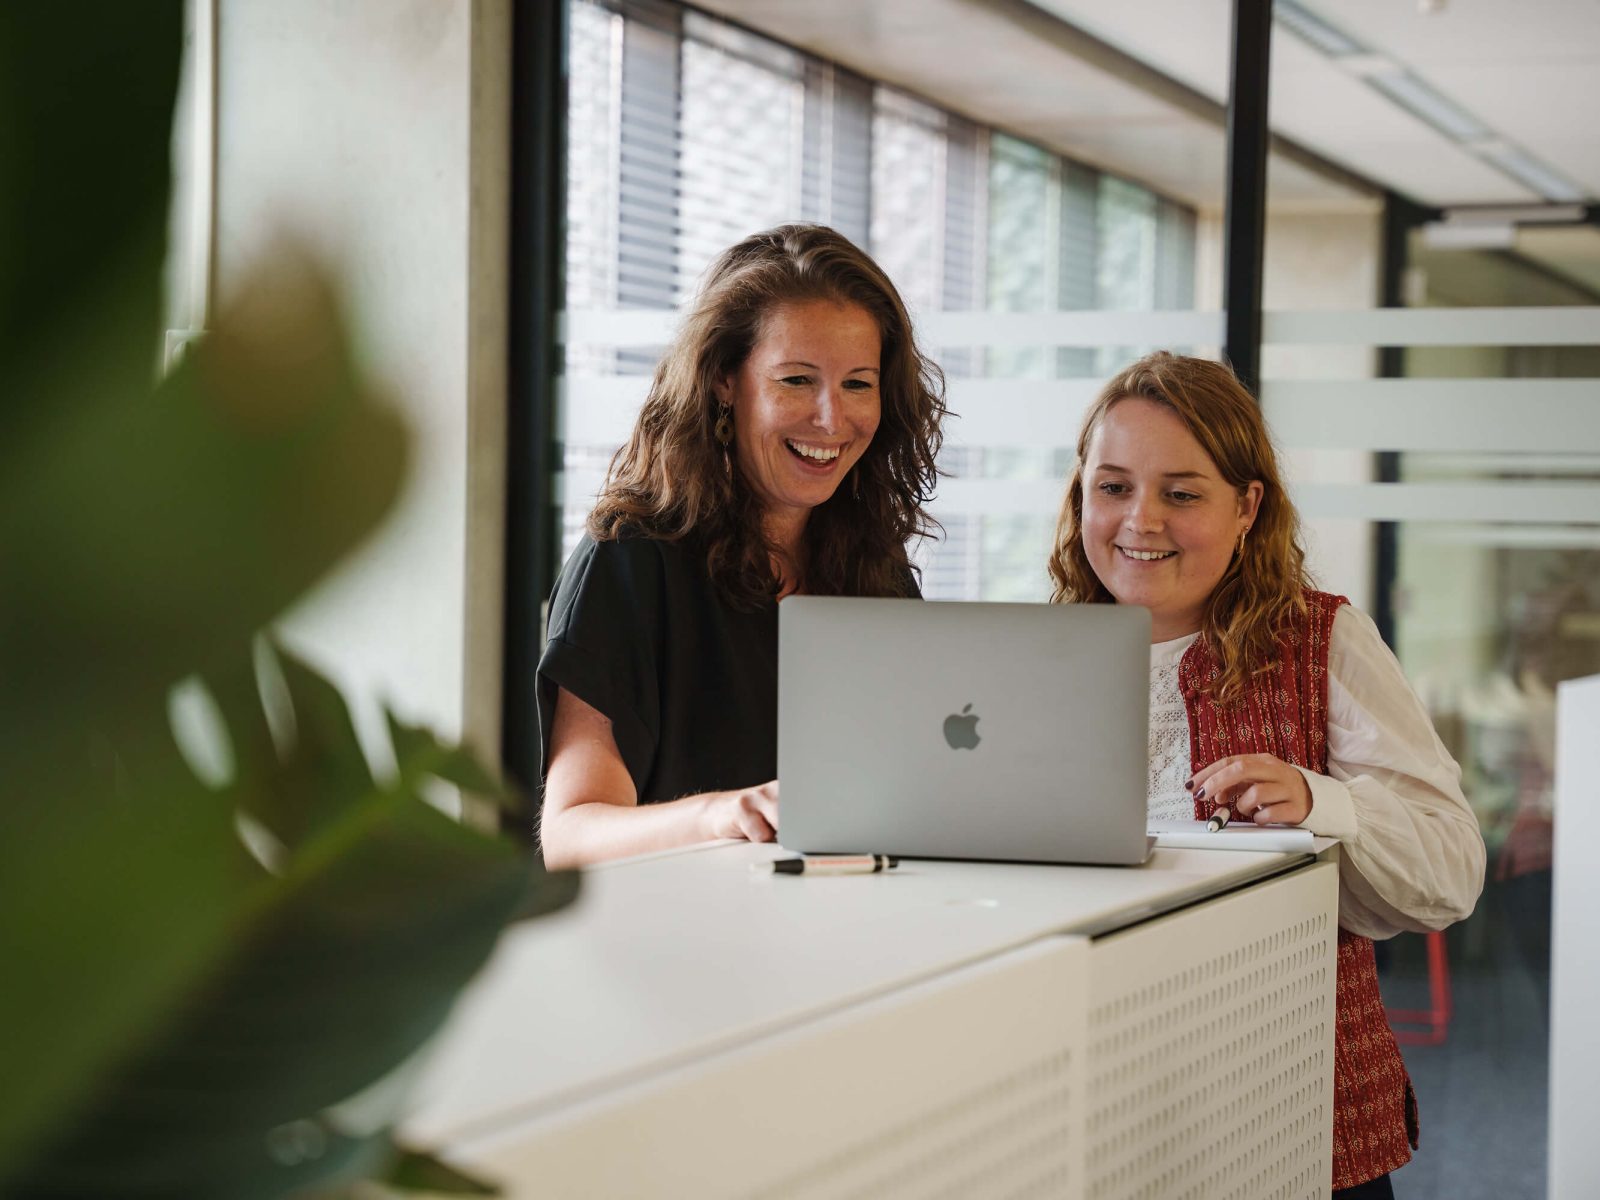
{"x": 1530, "y": 33}
{"x": 1186, "y": 39}
{"x": 1553, "y": 119}
{"x": 950, "y": 51}
{"x": 1316, "y": 103}
{"x": 1530, "y": 69}
{"x": 982, "y": 61}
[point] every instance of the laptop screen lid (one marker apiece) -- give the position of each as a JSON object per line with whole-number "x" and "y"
{"x": 1015, "y": 732}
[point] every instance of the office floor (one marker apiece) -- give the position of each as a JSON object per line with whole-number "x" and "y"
{"x": 1482, "y": 1094}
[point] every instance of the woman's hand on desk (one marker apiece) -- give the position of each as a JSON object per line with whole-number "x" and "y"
{"x": 1258, "y": 787}
{"x": 749, "y": 813}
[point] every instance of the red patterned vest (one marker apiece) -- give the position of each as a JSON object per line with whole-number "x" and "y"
{"x": 1286, "y": 713}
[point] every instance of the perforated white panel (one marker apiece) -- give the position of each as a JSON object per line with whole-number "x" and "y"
{"x": 1009, "y": 1136}
{"x": 970, "y": 1085}
{"x": 1205, "y": 1017}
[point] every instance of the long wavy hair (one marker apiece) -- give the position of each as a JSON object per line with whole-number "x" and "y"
{"x": 1264, "y": 586}
{"x": 673, "y": 480}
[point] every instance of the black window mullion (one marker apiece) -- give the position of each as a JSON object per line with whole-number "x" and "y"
{"x": 537, "y": 296}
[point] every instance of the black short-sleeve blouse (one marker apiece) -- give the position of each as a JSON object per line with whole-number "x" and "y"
{"x": 638, "y": 630}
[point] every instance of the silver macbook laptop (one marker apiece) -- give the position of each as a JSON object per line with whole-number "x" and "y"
{"x": 1013, "y": 732}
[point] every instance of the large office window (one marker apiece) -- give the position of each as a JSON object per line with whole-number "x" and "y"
{"x": 741, "y": 148}
{"x": 1467, "y": 404}
{"x": 1491, "y": 615}
{"x": 688, "y": 134}
{"x": 928, "y": 200}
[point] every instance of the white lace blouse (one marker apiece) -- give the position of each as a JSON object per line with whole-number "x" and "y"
{"x": 1412, "y": 856}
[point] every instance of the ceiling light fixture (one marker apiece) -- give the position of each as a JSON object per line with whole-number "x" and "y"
{"x": 1520, "y": 214}
{"x": 1309, "y": 27}
{"x": 1530, "y": 172}
{"x": 1420, "y": 100}
{"x": 1469, "y": 235}
{"x": 1366, "y": 65}
{"x": 1496, "y": 226}
{"x": 1423, "y": 101}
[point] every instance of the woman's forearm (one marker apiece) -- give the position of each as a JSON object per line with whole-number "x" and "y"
{"x": 590, "y": 814}
{"x": 581, "y": 835}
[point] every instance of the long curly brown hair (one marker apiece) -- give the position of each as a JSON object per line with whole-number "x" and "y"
{"x": 673, "y": 480}
{"x": 1265, "y": 585}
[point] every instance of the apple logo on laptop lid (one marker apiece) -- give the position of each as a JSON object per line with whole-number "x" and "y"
{"x": 961, "y": 730}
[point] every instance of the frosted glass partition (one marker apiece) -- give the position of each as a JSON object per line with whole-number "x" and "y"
{"x": 1490, "y": 578}
{"x": 1564, "y": 325}
{"x": 639, "y": 327}
{"x": 1509, "y": 460}
{"x": 1495, "y": 462}
{"x": 993, "y": 411}
{"x": 1484, "y": 417}
{"x": 1458, "y": 415}
{"x": 1007, "y": 449}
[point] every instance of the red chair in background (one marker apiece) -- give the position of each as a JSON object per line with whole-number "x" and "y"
{"x": 1427, "y": 1026}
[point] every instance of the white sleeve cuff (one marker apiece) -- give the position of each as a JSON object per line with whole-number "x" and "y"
{"x": 1333, "y": 812}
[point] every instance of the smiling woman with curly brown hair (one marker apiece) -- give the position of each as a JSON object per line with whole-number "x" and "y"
{"x": 786, "y": 446}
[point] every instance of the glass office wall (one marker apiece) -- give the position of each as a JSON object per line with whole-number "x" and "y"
{"x": 687, "y": 133}
{"x": 1494, "y": 608}
{"x": 1453, "y": 442}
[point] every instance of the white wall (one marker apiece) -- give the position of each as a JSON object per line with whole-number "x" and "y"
{"x": 377, "y": 130}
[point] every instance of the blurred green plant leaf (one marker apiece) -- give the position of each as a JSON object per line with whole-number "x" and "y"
{"x": 223, "y": 504}
{"x": 318, "y": 982}
{"x": 185, "y": 1013}
{"x": 325, "y": 775}
{"x": 251, "y": 470}
{"x": 110, "y": 905}
{"x": 453, "y": 764}
{"x": 416, "y": 1171}
{"x": 86, "y": 102}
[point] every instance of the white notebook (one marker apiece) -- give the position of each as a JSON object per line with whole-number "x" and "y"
{"x": 1239, "y": 835}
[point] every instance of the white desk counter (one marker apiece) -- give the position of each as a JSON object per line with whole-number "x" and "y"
{"x": 690, "y": 1027}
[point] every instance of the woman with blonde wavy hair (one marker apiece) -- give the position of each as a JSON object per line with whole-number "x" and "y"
{"x": 786, "y": 445}
{"x": 1269, "y": 699}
